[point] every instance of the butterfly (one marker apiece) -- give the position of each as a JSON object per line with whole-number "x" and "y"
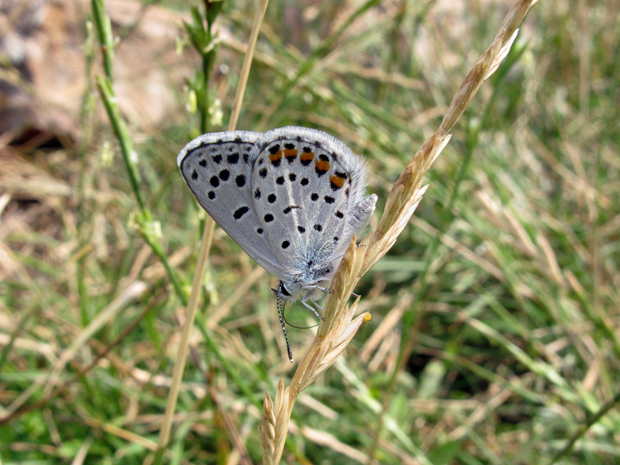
{"x": 292, "y": 198}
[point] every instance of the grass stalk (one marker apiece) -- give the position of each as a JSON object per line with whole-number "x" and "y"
{"x": 148, "y": 228}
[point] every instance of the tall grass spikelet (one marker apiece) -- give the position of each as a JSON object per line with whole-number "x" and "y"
{"x": 338, "y": 326}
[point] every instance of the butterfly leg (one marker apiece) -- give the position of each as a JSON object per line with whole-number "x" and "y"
{"x": 329, "y": 291}
{"x": 324, "y": 289}
{"x": 305, "y": 303}
{"x": 319, "y": 307}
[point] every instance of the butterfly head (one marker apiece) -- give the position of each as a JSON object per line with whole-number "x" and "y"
{"x": 292, "y": 291}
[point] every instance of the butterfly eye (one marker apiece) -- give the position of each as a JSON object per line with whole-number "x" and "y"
{"x": 283, "y": 290}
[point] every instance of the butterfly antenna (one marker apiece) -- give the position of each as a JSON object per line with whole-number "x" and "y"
{"x": 280, "y": 305}
{"x": 298, "y": 327}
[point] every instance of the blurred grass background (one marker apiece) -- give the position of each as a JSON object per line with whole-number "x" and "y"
{"x": 504, "y": 287}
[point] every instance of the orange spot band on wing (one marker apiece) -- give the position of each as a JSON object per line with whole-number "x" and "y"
{"x": 275, "y": 156}
{"x": 322, "y": 165}
{"x": 336, "y": 181}
{"x": 307, "y": 156}
{"x": 290, "y": 153}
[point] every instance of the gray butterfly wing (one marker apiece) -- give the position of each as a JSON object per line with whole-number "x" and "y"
{"x": 308, "y": 193}
{"x": 217, "y": 168}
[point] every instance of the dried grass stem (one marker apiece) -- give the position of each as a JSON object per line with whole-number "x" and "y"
{"x": 338, "y": 327}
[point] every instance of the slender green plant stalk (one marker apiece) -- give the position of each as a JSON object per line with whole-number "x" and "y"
{"x": 179, "y": 366}
{"x": 105, "y": 36}
{"x": 148, "y": 228}
{"x": 87, "y": 111}
{"x": 338, "y": 327}
{"x": 200, "y": 32}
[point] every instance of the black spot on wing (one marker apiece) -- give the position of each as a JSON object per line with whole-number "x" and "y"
{"x": 239, "y": 212}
